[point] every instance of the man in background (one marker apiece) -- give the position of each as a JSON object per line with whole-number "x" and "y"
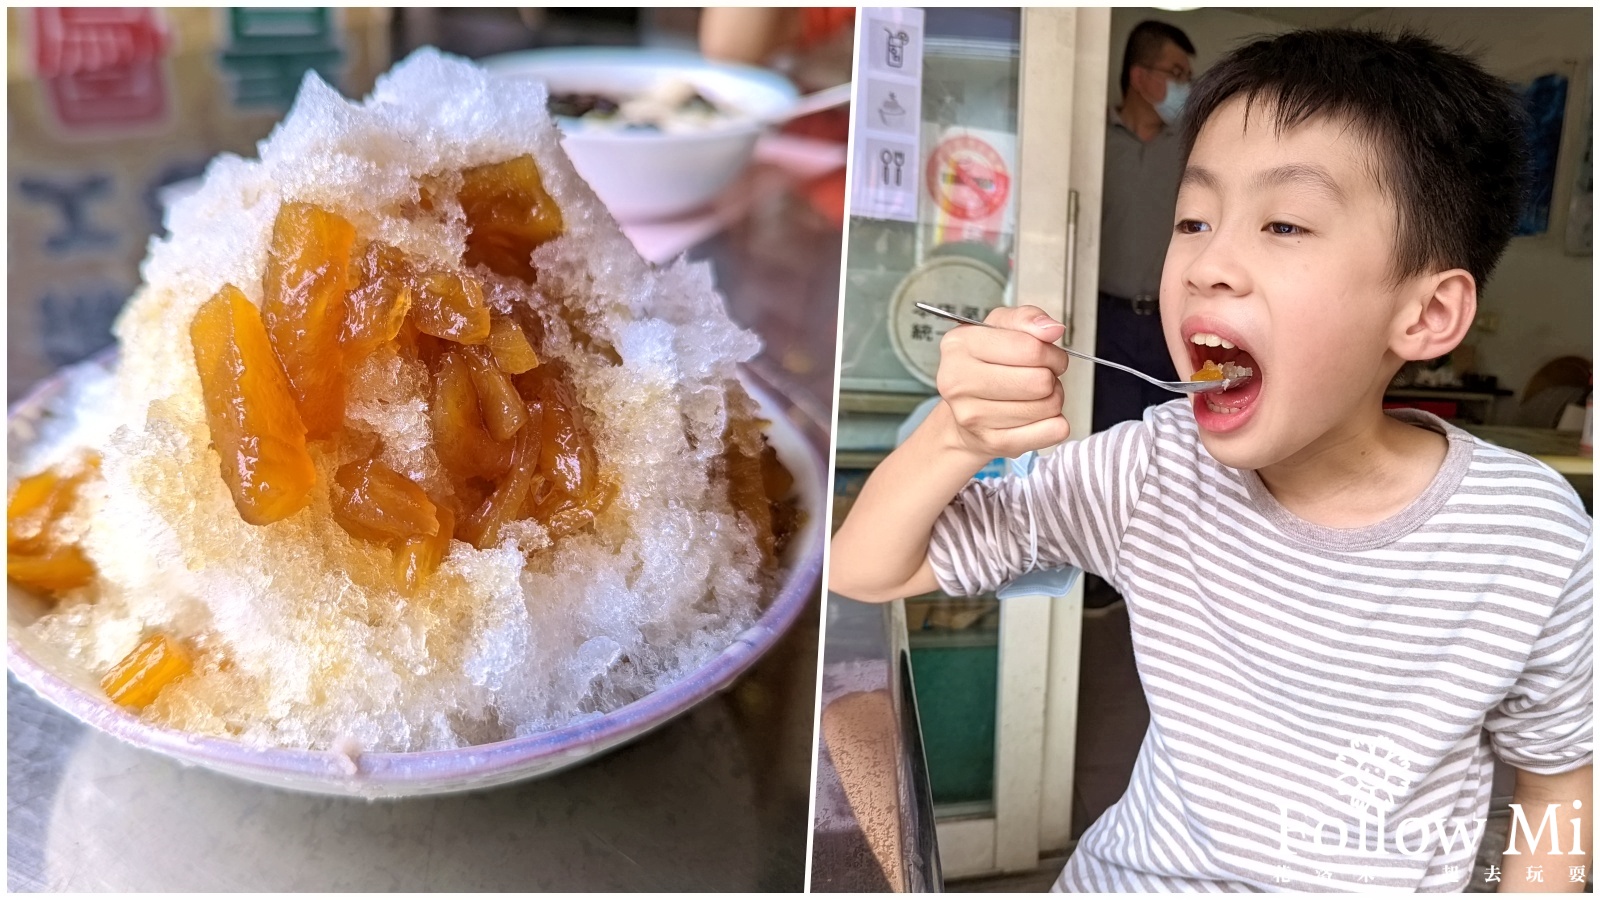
{"x": 1144, "y": 159}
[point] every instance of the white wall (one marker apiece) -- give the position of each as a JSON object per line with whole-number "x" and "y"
{"x": 1539, "y": 300}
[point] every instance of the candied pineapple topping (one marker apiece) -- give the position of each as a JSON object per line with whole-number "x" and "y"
{"x": 137, "y": 680}
{"x": 407, "y": 448}
{"x": 42, "y": 549}
{"x": 1212, "y": 371}
{"x": 513, "y": 441}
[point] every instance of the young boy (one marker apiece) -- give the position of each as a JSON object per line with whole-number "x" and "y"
{"x": 1341, "y": 616}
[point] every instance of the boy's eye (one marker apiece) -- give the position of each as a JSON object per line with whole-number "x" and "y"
{"x": 1190, "y": 226}
{"x": 1283, "y": 229}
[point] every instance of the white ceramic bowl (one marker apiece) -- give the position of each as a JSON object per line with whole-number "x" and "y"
{"x": 77, "y": 692}
{"x": 644, "y": 176}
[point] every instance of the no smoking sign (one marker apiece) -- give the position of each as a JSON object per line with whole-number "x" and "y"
{"x": 968, "y": 178}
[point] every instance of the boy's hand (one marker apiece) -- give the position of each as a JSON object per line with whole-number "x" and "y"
{"x": 1002, "y": 383}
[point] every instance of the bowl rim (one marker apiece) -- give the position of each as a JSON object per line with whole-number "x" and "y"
{"x": 512, "y": 63}
{"x": 398, "y": 773}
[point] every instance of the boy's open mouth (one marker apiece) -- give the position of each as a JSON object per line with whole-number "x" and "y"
{"x": 1210, "y": 348}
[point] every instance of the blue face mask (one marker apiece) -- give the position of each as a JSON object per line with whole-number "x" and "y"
{"x": 1171, "y": 107}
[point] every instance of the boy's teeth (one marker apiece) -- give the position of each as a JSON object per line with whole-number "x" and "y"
{"x": 1204, "y": 339}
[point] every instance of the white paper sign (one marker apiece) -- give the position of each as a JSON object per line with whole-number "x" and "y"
{"x": 969, "y": 186}
{"x": 888, "y": 115}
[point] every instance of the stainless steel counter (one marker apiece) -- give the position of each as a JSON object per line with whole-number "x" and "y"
{"x": 715, "y": 800}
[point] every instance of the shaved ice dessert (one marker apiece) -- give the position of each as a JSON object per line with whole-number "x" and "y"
{"x": 1227, "y": 371}
{"x": 406, "y": 447}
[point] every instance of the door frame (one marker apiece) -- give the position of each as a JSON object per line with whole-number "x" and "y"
{"x": 1061, "y": 121}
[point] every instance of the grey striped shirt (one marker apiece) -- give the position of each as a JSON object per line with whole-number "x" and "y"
{"x": 1324, "y": 703}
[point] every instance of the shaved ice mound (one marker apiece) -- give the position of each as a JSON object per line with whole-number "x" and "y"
{"x": 570, "y": 606}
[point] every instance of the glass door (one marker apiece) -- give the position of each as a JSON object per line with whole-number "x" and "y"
{"x": 977, "y": 148}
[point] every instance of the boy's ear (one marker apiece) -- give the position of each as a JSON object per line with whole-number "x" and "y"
{"x": 1435, "y": 318}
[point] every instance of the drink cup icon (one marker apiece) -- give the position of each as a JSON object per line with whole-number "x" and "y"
{"x": 896, "y": 46}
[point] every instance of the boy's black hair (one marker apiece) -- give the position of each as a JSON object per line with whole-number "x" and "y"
{"x": 1144, "y": 45}
{"x": 1448, "y": 136}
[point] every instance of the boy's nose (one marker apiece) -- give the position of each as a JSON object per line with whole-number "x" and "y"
{"x": 1217, "y": 268}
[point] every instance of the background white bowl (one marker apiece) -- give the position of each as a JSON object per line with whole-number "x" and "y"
{"x": 646, "y": 175}
{"x": 76, "y": 691}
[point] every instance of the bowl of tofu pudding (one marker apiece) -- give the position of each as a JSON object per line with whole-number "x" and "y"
{"x": 657, "y": 133}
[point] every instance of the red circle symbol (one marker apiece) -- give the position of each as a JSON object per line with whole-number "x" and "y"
{"x": 968, "y": 178}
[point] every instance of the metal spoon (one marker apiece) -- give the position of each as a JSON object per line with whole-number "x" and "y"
{"x": 1177, "y": 387}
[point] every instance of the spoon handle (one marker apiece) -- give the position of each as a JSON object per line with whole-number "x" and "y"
{"x": 817, "y": 102}
{"x": 1106, "y": 362}
{"x": 1071, "y": 352}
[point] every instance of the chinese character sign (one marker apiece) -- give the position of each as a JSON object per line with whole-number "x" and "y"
{"x": 101, "y": 70}
{"x": 110, "y": 111}
{"x": 270, "y": 51}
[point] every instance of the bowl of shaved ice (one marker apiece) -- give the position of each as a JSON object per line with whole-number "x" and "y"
{"x": 407, "y": 474}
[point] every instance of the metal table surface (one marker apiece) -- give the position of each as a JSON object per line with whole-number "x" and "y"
{"x": 714, "y": 800}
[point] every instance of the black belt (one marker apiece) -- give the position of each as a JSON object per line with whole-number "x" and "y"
{"x": 1141, "y": 304}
